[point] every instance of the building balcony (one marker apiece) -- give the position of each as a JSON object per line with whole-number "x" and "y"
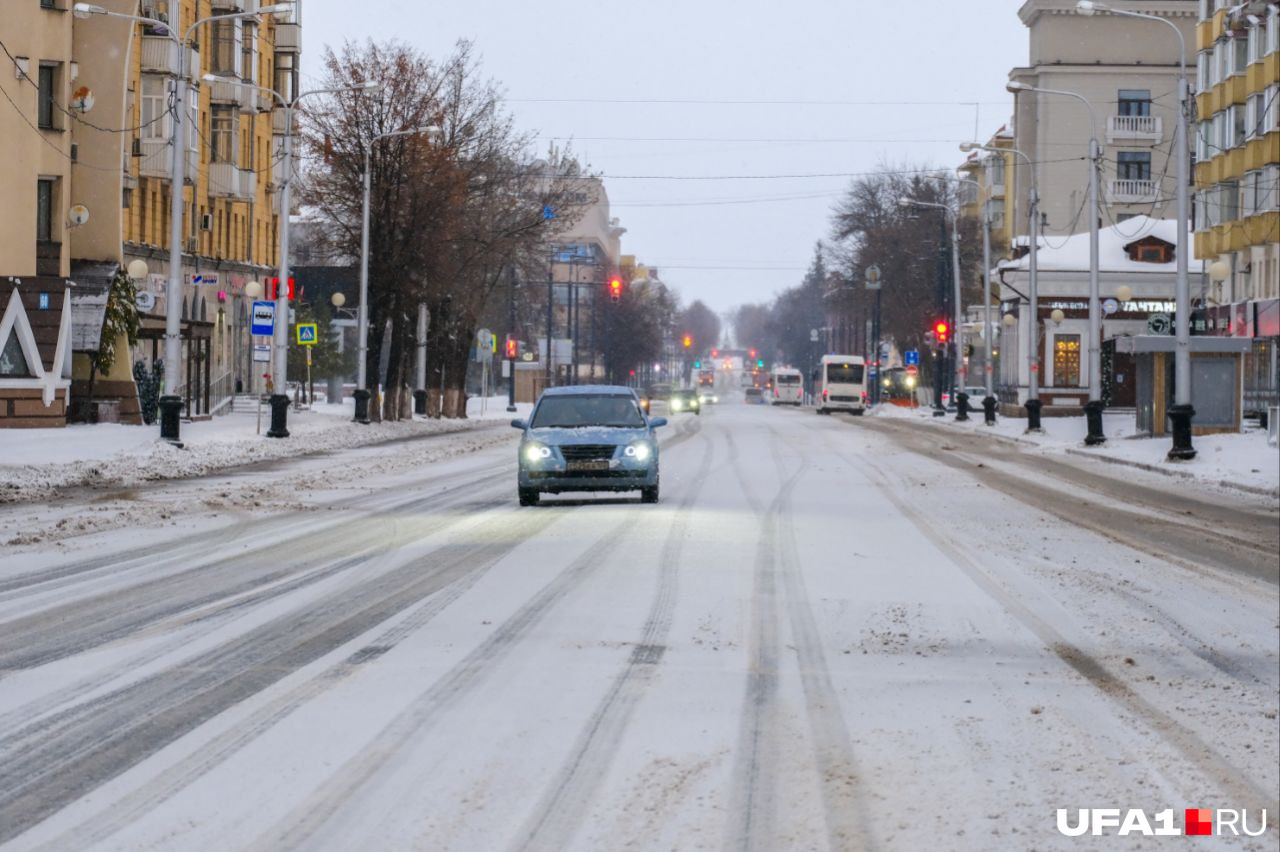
{"x": 1148, "y": 128}
{"x": 288, "y": 38}
{"x": 154, "y": 159}
{"x": 1133, "y": 191}
{"x": 224, "y": 93}
{"x": 227, "y": 181}
{"x": 230, "y": 5}
{"x": 158, "y": 55}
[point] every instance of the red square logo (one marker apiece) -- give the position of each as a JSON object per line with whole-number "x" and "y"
{"x": 1199, "y": 821}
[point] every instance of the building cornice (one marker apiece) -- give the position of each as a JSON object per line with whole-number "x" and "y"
{"x": 1032, "y": 9}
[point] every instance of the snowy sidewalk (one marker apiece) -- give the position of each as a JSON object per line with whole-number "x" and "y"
{"x": 1241, "y": 461}
{"x": 36, "y": 462}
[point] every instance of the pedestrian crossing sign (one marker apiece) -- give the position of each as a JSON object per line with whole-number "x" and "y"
{"x": 306, "y": 333}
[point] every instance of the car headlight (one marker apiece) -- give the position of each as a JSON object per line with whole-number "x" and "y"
{"x": 537, "y": 452}
{"x": 639, "y": 452}
{"x": 675, "y": 405}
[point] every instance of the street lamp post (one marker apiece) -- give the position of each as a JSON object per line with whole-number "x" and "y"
{"x": 1033, "y": 272}
{"x": 1181, "y": 412}
{"x": 280, "y": 338}
{"x": 170, "y": 402}
{"x": 957, "y": 376}
{"x": 1093, "y": 408}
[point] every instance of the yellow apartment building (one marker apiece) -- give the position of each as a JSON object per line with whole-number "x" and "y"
{"x": 995, "y": 173}
{"x": 1237, "y": 181}
{"x": 87, "y": 119}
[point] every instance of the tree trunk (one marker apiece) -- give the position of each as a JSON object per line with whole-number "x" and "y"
{"x": 395, "y": 377}
{"x": 457, "y": 351}
{"x": 437, "y": 341}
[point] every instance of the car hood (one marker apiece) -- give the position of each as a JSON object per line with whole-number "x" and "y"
{"x": 558, "y": 435}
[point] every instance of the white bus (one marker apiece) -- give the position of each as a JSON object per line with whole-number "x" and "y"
{"x": 842, "y": 384}
{"x": 788, "y": 386}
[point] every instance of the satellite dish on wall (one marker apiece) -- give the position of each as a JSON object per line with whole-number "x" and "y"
{"x": 82, "y": 99}
{"x": 78, "y": 215}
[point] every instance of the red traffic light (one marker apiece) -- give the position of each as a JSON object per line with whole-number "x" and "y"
{"x": 941, "y": 329}
{"x": 688, "y": 341}
{"x": 715, "y": 353}
{"x": 615, "y": 288}
{"x": 512, "y": 348}
{"x": 753, "y": 353}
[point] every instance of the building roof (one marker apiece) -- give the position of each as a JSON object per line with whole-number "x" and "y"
{"x": 1071, "y": 254}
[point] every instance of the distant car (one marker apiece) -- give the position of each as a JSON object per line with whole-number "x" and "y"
{"x": 659, "y": 392}
{"x": 753, "y": 396}
{"x": 685, "y": 399}
{"x": 587, "y": 438}
{"x": 707, "y": 396}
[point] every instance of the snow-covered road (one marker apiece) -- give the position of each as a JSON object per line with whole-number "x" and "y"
{"x": 832, "y": 633}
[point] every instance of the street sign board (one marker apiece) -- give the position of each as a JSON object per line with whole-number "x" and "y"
{"x": 911, "y": 358}
{"x": 264, "y": 318}
{"x": 262, "y": 353}
{"x": 307, "y": 333}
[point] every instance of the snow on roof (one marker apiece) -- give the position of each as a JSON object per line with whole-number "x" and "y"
{"x": 1071, "y": 254}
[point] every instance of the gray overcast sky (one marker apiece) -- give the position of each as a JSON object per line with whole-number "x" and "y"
{"x": 605, "y": 74}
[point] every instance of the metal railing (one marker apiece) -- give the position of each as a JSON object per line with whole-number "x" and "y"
{"x": 222, "y": 392}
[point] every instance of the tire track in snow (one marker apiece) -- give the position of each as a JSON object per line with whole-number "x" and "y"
{"x": 343, "y": 790}
{"x": 1193, "y": 749}
{"x": 562, "y": 809}
{"x": 52, "y": 634}
{"x": 120, "y": 814}
{"x": 65, "y": 756}
{"x": 847, "y": 820}
{"x": 752, "y": 806}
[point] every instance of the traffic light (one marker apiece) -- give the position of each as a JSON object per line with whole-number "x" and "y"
{"x": 760, "y": 362}
{"x": 697, "y": 365}
{"x": 615, "y": 288}
{"x": 688, "y": 341}
{"x": 715, "y": 353}
{"x": 753, "y": 353}
{"x": 513, "y": 348}
{"x": 941, "y": 331}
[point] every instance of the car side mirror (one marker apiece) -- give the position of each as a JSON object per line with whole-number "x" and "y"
{"x": 657, "y": 421}
{"x": 518, "y": 424}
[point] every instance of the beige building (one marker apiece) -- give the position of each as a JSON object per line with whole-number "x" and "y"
{"x": 995, "y": 173}
{"x": 86, "y": 173}
{"x": 1127, "y": 69}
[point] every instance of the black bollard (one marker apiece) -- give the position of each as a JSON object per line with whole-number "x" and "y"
{"x": 170, "y": 412}
{"x": 1180, "y": 418}
{"x": 420, "y": 402}
{"x": 361, "y": 397}
{"x": 1033, "y": 415}
{"x": 279, "y": 416}
{"x": 1093, "y": 420}
{"x": 989, "y": 410}
{"x": 962, "y": 406}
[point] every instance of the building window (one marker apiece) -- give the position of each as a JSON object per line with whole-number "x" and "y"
{"x": 13, "y": 362}
{"x": 285, "y": 76}
{"x": 1066, "y": 360}
{"x": 222, "y": 135}
{"x": 1268, "y": 194}
{"x": 226, "y": 47}
{"x": 1204, "y": 80}
{"x": 1239, "y": 55}
{"x": 1249, "y": 193}
{"x": 1133, "y": 165}
{"x": 1229, "y": 200}
{"x": 155, "y": 108}
{"x": 1273, "y": 29}
{"x": 47, "y": 95}
{"x": 44, "y": 211}
{"x": 995, "y": 170}
{"x": 249, "y": 53}
{"x": 1135, "y": 102}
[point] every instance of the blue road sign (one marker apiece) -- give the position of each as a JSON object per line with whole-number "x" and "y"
{"x": 264, "y": 318}
{"x": 911, "y": 358}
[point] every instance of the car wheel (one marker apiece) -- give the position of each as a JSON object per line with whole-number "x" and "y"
{"x": 528, "y": 496}
{"x": 857, "y": 412}
{"x": 650, "y": 494}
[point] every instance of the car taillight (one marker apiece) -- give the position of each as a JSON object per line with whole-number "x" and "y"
{"x": 824, "y": 394}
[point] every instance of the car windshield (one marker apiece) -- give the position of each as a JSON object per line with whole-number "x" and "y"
{"x": 581, "y": 410}
{"x": 787, "y": 380}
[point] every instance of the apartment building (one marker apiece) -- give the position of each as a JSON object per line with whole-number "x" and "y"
{"x": 994, "y": 172}
{"x": 36, "y": 183}
{"x": 231, "y": 221}
{"x": 1127, "y": 70}
{"x": 88, "y": 128}
{"x": 1237, "y": 179}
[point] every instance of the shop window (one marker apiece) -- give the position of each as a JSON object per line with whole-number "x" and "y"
{"x": 1066, "y": 360}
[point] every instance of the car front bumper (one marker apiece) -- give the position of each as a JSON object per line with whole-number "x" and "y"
{"x": 553, "y": 476}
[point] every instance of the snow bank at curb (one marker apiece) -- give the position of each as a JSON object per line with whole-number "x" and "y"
{"x": 231, "y": 443}
{"x": 1242, "y": 461}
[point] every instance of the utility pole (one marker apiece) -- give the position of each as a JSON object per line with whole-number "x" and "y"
{"x": 511, "y": 335}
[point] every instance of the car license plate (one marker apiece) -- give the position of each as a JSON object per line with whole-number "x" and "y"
{"x": 592, "y": 464}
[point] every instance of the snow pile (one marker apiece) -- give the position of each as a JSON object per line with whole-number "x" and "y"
{"x": 1243, "y": 461}
{"x": 115, "y": 455}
